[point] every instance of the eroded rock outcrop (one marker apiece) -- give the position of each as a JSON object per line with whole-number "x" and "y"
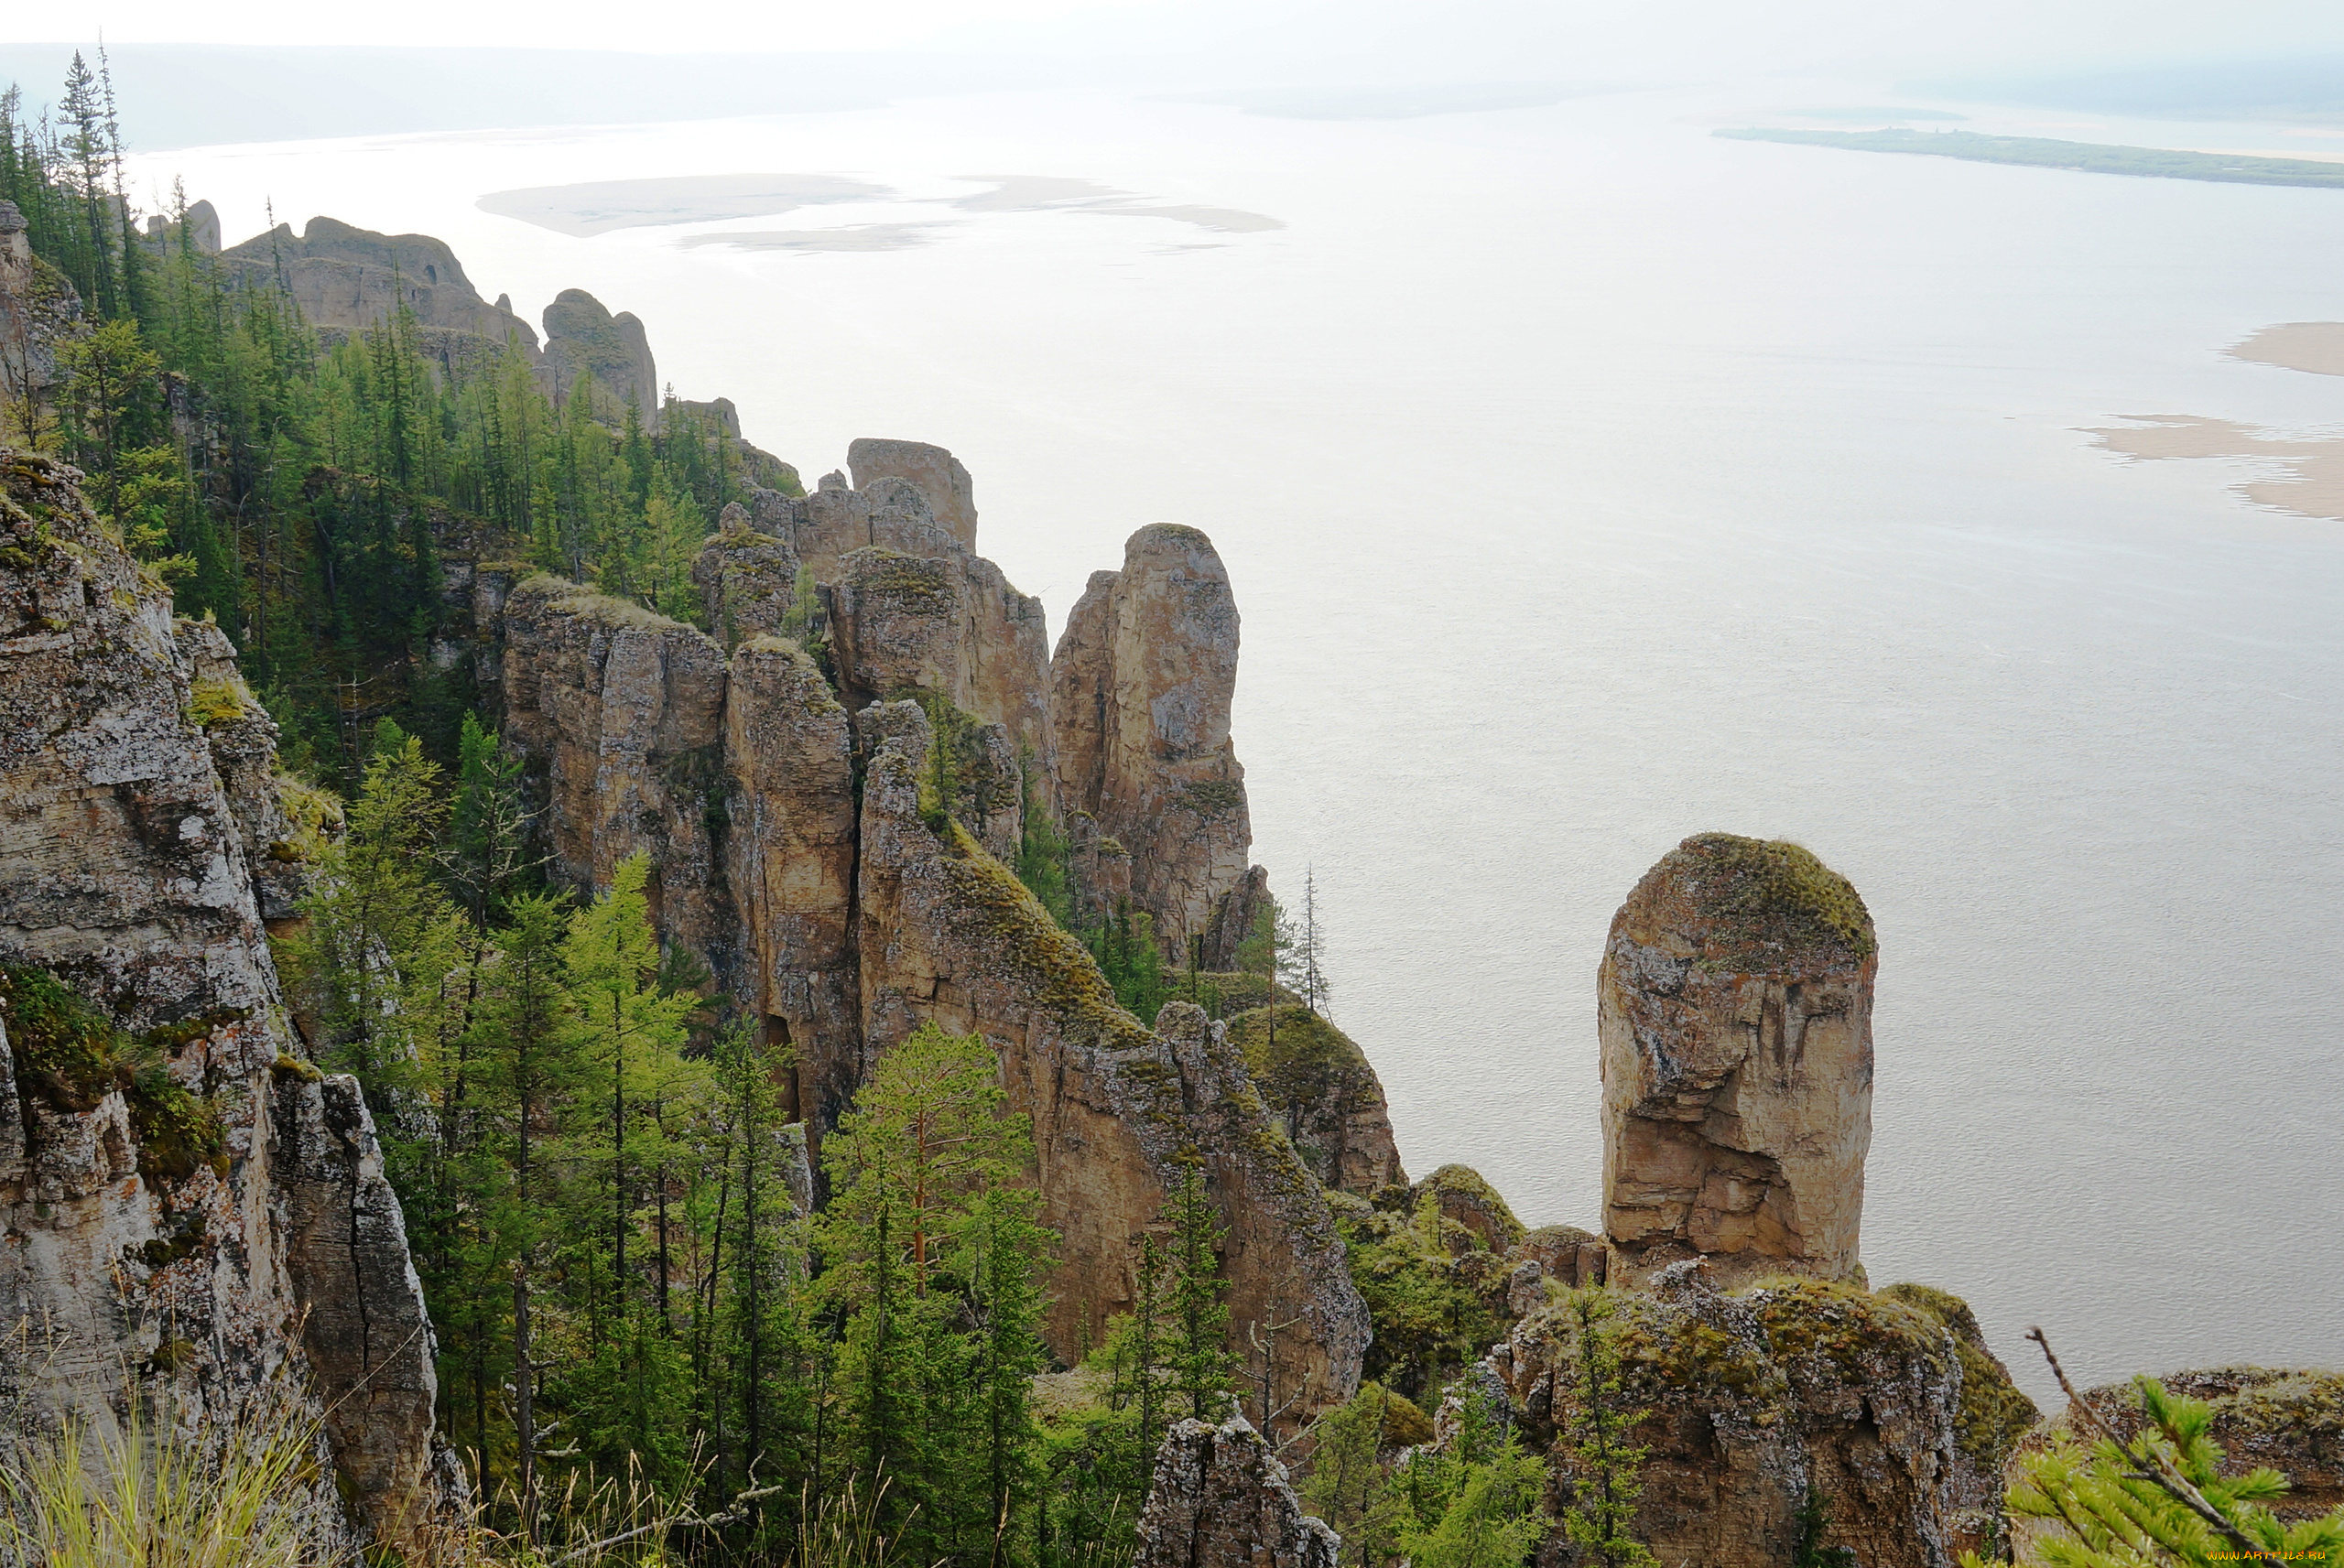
{"x": 622, "y": 714}
{"x": 1735, "y": 1013}
{"x": 150, "y": 1242}
{"x": 1320, "y": 1086}
{"x": 947, "y": 934}
{"x": 1752, "y": 1399}
{"x": 347, "y": 279}
{"x": 1222, "y": 1500}
{"x": 612, "y": 352}
{"x": 936, "y": 473}
{"x": 1142, "y": 682}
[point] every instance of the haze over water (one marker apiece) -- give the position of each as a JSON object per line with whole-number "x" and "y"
{"x": 1587, "y": 482}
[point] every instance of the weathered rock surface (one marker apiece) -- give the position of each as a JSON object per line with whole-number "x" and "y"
{"x": 351, "y": 279}
{"x": 2290, "y": 1419}
{"x": 622, "y": 713}
{"x": 145, "y": 1226}
{"x": 1222, "y": 1500}
{"x": 937, "y": 475}
{"x": 947, "y": 933}
{"x": 791, "y": 835}
{"x": 40, "y": 313}
{"x": 747, "y": 580}
{"x": 1751, "y": 1400}
{"x": 613, "y": 352}
{"x": 1321, "y": 1089}
{"x": 1735, "y": 1013}
{"x": 1142, "y": 682}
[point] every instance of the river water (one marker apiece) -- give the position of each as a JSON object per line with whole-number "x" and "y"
{"x": 1587, "y": 482}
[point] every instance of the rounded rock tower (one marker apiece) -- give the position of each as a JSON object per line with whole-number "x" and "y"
{"x": 1735, "y": 1008}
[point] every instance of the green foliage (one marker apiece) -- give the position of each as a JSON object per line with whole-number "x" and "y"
{"x": 1606, "y": 1469}
{"x": 1348, "y": 1485}
{"x": 2161, "y": 1498}
{"x": 1473, "y": 1503}
{"x": 67, "y": 1049}
{"x": 1429, "y": 1284}
{"x": 932, "y": 1248}
{"x": 1812, "y": 1519}
{"x": 1127, "y": 953}
{"x": 1779, "y": 892}
{"x": 1042, "y": 850}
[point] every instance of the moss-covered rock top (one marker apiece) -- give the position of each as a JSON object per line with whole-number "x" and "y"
{"x": 1304, "y": 1060}
{"x": 1750, "y": 903}
{"x": 1994, "y": 1415}
{"x": 590, "y": 603}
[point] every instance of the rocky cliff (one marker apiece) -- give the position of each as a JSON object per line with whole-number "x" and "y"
{"x": 349, "y": 278}
{"x": 1142, "y": 682}
{"x": 612, "y": 352}
{"x": 38, "y": 312}
{"x": 1735, "y": 1013}
{"x": 801, "y": 848}
{"x": 186, "y": 1204}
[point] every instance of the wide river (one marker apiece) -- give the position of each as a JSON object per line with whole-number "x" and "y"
{"x": 1588, "y": 482}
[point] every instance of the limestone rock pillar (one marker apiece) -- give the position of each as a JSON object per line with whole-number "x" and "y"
{"x": 1735, "y": 1011}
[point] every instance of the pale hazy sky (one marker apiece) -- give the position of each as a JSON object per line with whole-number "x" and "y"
{"x": 1536, "y": 37}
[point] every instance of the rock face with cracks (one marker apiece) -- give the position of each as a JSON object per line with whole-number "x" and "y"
{"x": 949, "y": 934}
{"x": 1222, "y": 1500}
{"x": 209, "y": 1230}
{"x": 1735, "y": 1014}
{"x": 780, "y": 790}
{"x": 1142, "y": 684}
{"x": 937, "y": 475}
{"x": 1751, "y": 1400}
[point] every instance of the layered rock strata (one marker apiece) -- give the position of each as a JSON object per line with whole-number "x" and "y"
{"x": 208, "y": 1229}
{"x": 1142, "y": 684}
{"x": 1751, "y": 1400}
{"x": 1222, "y": 1500}
{"x": 1735, "y": 1015}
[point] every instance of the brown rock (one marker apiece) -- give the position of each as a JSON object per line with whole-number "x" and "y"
{"x": 1748, "y": 1401}
{"x": 791, "y": 837}
{"x": 612, "y": 352}
{"x": 1141, "y": 688}
{"x": 369, "y": 1343}
{"x": 2290, "y": 1419}
{"x": 747, "y": 580}
{"x": 947, "y": 933}
{"x": 1221, "y": 1499}
{"x": 1465, "y": 1199}
{"x": 1324, "y": 1095}
{"x": 624, "y": 711}
{"x": 936, "y": 473}
{"x": 350, "y": 279}
{"x": 1735, "y": 1013}
{"x": 1565, "y": 1252}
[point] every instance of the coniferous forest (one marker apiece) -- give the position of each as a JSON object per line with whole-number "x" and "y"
{"x": 658, "y": 1324}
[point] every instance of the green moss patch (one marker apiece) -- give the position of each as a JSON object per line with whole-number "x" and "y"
{"x": 1775, "y": 893}
{"x": 67, "y": 1049}
{"x": 1994, "y": 1415}
{"x": 215, "y": 702}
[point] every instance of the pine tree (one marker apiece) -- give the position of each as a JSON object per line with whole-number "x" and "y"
{"x": 1197, "y": 1358}
{"x": 1607, "y": 1468}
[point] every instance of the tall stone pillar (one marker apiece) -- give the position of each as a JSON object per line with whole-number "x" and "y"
{"x": 1736, "y": 1019}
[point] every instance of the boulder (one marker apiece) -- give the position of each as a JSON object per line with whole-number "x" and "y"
{"x": 1221, "y": 1499}
{"x": 350, "y": 279}
{"x": 1751, "y": 1400}
{"x": 1735, "y": 1014}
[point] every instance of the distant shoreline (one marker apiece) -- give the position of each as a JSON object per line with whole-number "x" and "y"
{"x": 2082, "y": 157}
